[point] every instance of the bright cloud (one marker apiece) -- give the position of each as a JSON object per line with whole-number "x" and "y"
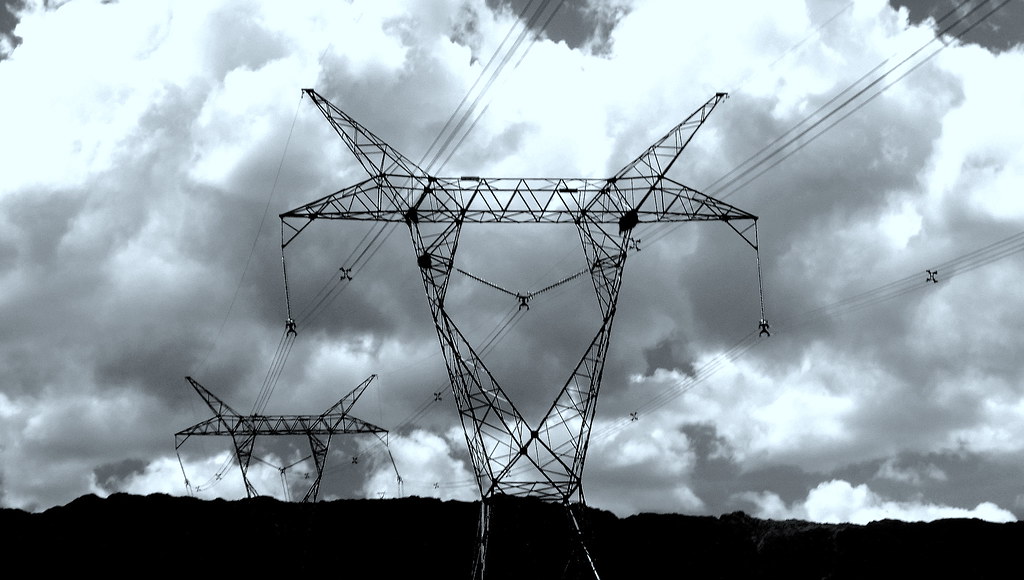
{"x": 838, "y": 501}
{"x": 430, "y": 468}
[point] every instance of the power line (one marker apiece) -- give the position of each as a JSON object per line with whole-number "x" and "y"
{"x": 741, "y": 348}
{"x": 962, "y": 264}
{"x": 917, "y": 282}
{"x": 793, "y": 48}
{"x": 455, "y": 147}
{"x": 252, "y": 249}
{"x": 453, "y": 127}
{"x": 365, "y": 251}
{"x": 792, "y": 141}
{"x": 937, "y": 274}
{"x": 730, "y": 187}
{"x": 368, "y": 249}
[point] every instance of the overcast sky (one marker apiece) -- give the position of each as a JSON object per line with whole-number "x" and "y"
{"x": 148, "y": 148}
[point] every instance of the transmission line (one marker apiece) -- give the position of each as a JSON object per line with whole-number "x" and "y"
{"x": 512, "y": 318}
{"x": 661, "y": 234}
{"x": 775, "y": 152}
{"x": 355, "y": 262}
{"x": 453, "y": 127}
{"x": 893, "y": 289}
{"x": 734, "y": 185}
{"x": 792, "y": 49}
{"x": 453, "y": 149}
{"x": 937, "y": 274}
{"x": 252, "y": 249}
{"x": 381, "y": 232}
{"x": 365, "y": 250}
{"x": 915, "y": 282}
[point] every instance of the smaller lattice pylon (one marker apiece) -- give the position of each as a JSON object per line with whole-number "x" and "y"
{"x": 243, "y": 429}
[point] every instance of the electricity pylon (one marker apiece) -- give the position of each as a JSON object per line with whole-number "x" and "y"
{"x": 509, "y": 455}
{"x": 243, "y": 429}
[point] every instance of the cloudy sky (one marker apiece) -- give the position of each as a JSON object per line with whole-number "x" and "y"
{"x": 148, "y": 148}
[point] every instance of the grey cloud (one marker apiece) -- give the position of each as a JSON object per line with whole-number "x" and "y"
{"x": 956, "y": 478}
{"x": 8, "y": 22}
{"x": 111, "y": 477}
{"x": 663, "y": 356}
{"x": 585, "y": 25}
{"x": 1000, "y": 32}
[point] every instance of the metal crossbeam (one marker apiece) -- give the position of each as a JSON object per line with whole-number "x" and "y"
{"x": 401, "y": 198}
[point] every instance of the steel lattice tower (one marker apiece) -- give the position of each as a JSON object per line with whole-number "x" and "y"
{"x": 509, "y": 455}
{"x": 243, "y": 429}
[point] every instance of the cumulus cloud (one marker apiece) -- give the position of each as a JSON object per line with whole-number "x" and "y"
{"x": 148, "y": 150}
{"x": 665, "y": 456}
{"x": 838, "y": 501}
{"x": 210, "y": 477}
{"x": 432, "y": 469}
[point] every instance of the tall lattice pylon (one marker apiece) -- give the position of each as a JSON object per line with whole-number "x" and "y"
{"x": 509, "y": 455}
{"x": 243, "y": 430}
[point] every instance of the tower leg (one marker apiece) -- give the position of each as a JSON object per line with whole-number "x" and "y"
{"x": 482, "y": 535}
{"x": 495, "y": 430}
{"x": 319, "y": 449}
{"x": 243, "y": 451}
{"x": 581, "y": 559}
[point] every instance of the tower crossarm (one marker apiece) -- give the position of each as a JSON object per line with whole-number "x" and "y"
{"x": 219, "y": 407}
{"x": 375, "y": 155}
{"x": 342, "y": 423}
{"x": 226, "y": 421}
{"x": 218, "y": 425}
{"x": 344, "y": 405}
{"x": 651, "y": 166}
{"x": 396, "y": 198}
{"x": 326, "y": 424}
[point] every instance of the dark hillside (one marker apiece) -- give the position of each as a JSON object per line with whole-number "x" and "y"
{"x": 126, "y": 535}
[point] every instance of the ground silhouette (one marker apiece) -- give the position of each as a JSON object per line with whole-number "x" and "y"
{"x": 123, "y": 535}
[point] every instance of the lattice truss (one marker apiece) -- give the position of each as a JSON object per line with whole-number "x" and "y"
{"x": 509, "y": 455}
{"x": 243, "y": 430}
